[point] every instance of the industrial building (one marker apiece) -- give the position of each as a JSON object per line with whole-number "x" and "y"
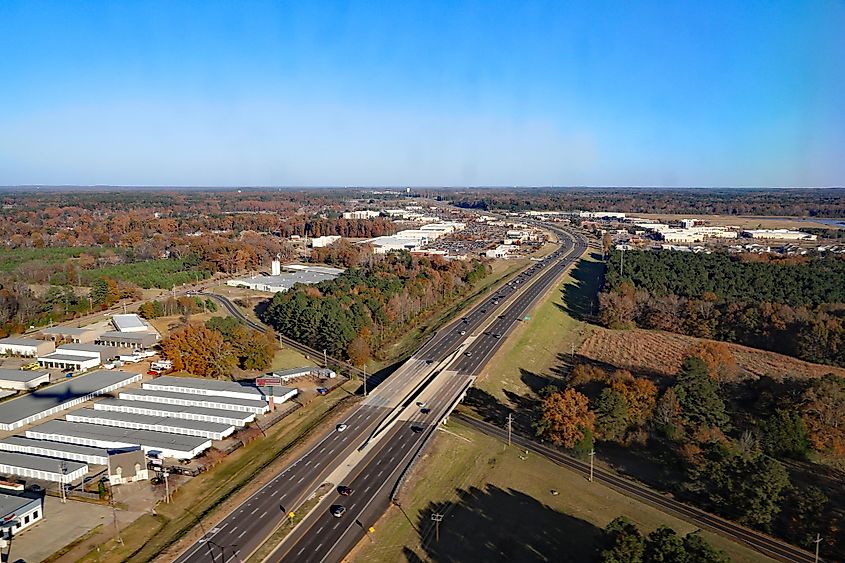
{"x": 132, "y": 421}
{"x": 364, "y": 214}
{"x": 130, "y": 331}
{"x": 194, "y": 400}
{"x": 322, "y": 242}
{"x": 778, "y": 234}
{"x": 30, "y": 347}
{"x": 501, "y": 251}
{"x": 78, "y": 356}
{"x": 22, "y": 380}
{"x": 71, "y": 334}
{"x": 50, "y": 400}
{"x": 73, "y": 452}
{"x": 43, "y": 468}
{"x": 234, "y": 418}
{"x": 199, "y": 386}
{"x": 153, "y": 443}
{"x": 19, "y": 512}
{"x": 413, "y": 239}
{"x": 282, "y": 278}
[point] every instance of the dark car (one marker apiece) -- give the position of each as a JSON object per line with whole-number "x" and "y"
{"x": 416, "y": 429}
{"x": 425, "y": 410}
{"x": 338, "y": 510}
{"x": 345, "y": 491}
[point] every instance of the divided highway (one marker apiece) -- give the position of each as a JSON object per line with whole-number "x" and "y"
{"x": 325, "y": 538}
{"x": 246, "y": 528}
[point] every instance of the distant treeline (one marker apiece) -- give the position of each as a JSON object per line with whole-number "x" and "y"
{"x": 822, "y": 202}
{"x": 792, "y": 306}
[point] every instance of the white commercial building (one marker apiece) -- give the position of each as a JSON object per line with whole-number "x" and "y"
{"x": 22, "y": 380}
{"x": 30, "y": 347}
{"x": 19, "y": 513}
{"x": 501, "y": 251}
{"x": 322, "y": 242}
{"x": 292, "y": 275}
{"x": 365, "y": 214}
{"x": 78, "y": 356}
{"x": 778, "y": 234}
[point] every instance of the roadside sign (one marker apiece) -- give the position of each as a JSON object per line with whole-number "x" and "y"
{"x": 526, "y": 318}
{"x": 371, "y": 530}
{"x": 291, "y": 514}
{"x": 268, "y": 381}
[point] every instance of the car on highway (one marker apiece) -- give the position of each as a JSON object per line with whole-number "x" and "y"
{"x": 497, "y": 336}
{"x": 429, "y": 362}
{"x": 345, "y": 491}
{"x": 338, "y": 510}
{"x": 467, "y": 353}
{"x": 425, "y": 410}
{"x": 341, "y": 427}
{"x": 463, "y": 332}
{"x": 421, "y": 404}
{"x": 416, "y": 429}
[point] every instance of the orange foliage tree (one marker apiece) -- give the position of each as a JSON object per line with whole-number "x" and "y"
{"x": 565, "y": 417}
{"x": 721, "y": 364}
{"x": 199, "y": 350}
{"x": 823, "y": 411}
{"x": 641, "y": 396}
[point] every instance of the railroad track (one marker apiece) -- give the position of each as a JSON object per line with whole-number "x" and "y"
{"x": 339, "y": 365}
{"x": 766, "y": 545}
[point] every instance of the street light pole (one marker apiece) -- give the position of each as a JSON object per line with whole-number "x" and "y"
{"x": 592, "y": 455}
{"x": 510, "y": 427}
{"x": 437, "y": 518}
{"x": 365, "y": 380}
{"x": 817, "y": 541}
{"x": 166, "y": 474}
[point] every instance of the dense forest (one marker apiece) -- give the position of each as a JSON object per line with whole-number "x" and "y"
{"x": 371, "y": 304}
{"x": 794, "y": 306}
{"x": 821, "y": 202}
{"x": 724, "y": 445}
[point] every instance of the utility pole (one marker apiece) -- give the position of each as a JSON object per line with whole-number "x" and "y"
{"x": 114, "y": 514}
{"x": 63, "y": 469}
{"x": 510, "y": 427}
{"x": 437, "y": 518}
{"x": 365, "y": 380}
{"x": 817, "y": 541}
{"x": 325, "y": 359}
{"x": 592, "y": 455}
{"x": 166, "y": 474}
{"x": 621, "y": 262}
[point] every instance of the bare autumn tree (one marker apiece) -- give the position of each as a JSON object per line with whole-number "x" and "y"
{"x": 358, "y": 351}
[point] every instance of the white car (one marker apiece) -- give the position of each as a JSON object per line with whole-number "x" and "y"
{"x": 341, "y": 427}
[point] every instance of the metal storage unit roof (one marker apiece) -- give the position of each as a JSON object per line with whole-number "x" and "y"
{"x": 237, "y": 418}
{"x": 16, "y": 504}
{"x": 20, "y": 341}
{"x": 49, "y": 400}
{"x": 193, "y": 399}
{"x": 206, "y": 387}
{"x": 34, "y": 465}
{"x": 213, "y": 430}
{"x": 172, "y": 445}
{"x": 129, "y": 323}
{"x": 21, "y": 375}
{"x": 87, "y": 454}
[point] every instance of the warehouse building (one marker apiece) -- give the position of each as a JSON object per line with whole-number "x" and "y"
{"x": 55, "y": 398}
{"x": 159, "y": 444}
{"x": 212, "y": 430}
{"x": 207, "y": 387}
{"x": 73, "y": 452}
{"x": 194, "y": 400}
{"x": 221, "y": 416}
{"x": 30, "y": 347}
{"x": 19, "y": 512}
{"x": 78, "y": 356}
{"x": 22, "y": 380}
{"x": 71, "y": 334}
{"x": 778, "y": 234}
{"x": 131, "y": 340}
{"x": 43, "y": 468}
{"x": 283, "y": 278}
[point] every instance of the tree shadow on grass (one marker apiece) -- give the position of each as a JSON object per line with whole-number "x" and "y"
{"x": 494, "y": 524}
{"x": 581, "y": 298}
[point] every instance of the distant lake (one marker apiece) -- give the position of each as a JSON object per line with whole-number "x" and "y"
{"x": 831, "y": 222}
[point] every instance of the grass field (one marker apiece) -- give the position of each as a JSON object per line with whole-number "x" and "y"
{"x": 498, "y": 506}
{"x": 204, "y": 496}
{"x": 11, "y": 258}
{"x": 651, "y": 352}
{"x": 532, "y": 356}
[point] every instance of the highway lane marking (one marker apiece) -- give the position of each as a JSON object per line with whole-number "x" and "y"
{"x": 333, "y": 528}
{"x": 301, "y": 479}
{"x": 241, "y": 534}
{"x": 255, "y": 510}
{"x": 263, "y": 514}
{"x": 300, "y": 552}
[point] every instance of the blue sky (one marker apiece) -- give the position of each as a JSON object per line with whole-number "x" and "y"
{"x": 423, "y": 93}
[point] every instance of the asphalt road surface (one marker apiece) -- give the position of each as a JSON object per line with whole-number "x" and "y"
{"x": 244, "y": 529}
{"x": 325, "y": 538}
